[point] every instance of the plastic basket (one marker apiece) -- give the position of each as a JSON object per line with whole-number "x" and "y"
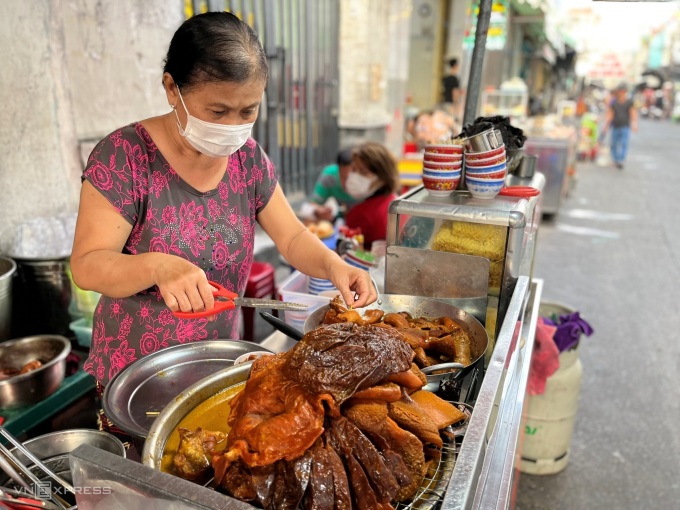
{"x": 294, "y": 289}
{"x": 82, "y": 328}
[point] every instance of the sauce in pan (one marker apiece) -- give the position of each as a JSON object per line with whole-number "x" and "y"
{"x": 209, "y": 415}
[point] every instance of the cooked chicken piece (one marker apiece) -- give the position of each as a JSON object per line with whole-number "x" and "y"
{"x": 373, "y": 316}
{"x": 409, "y": 416}
{"x": 415, "y": 337}
{"x": 331, "y": 317}
{"x": 30, "y": 366}
{"x": 338, "y": 304}
{"x": 448, "y": 323}
{"x": 461, "y": 341}
{"x": 422, "y": 359}
{"x": 371, "y": 418}
{"x": 437, "y": 332}
{"x": 409, "y": 379}
{"x": 388, "y": 392}
{"x": 195, "y": 449}
{"x": 273, "y": 418}
{"x": 351, "y": 316}
{"x": 443, "y": 345}
{"x": 422, "y": 323}
{"x": 396, "y": 320}
{"x": 440, "y": 411}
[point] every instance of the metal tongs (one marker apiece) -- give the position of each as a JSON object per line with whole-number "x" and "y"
{"x": 227, "y": 300}
{"x": 20, "y": 473}
{"x": 433, "y": 380}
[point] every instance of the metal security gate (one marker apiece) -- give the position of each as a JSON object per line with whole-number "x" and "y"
{"x": 298, "y": 121}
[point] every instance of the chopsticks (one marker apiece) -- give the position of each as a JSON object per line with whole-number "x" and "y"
{"x": 8, "y": 459}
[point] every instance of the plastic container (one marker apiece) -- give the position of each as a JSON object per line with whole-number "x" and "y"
{"x": 294, "y": 289}
{"x": 82, "y": 328}
{"x": 549, "y": 418}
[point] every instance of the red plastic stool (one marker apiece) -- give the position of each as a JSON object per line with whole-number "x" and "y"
{"x": 260, "y": 284}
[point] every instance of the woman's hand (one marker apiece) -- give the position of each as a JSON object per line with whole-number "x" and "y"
{"x": 184, "y": 286}
{"x": 354, "y": 284}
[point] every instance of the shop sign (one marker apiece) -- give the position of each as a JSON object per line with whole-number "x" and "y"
{"x": 498, "y": 25}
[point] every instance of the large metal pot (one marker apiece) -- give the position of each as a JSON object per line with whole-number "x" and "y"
{"x": 7, "y": 269}
{"x": 38, "y": 384}
{"x": 53, "y": 450}
{"x": 183, "y": 404}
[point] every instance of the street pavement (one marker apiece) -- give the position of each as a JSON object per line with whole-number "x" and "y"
{"x": 613, "y": 253}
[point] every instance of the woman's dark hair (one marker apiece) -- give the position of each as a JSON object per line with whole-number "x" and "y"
{"x": 380, "y": 162}
{"x": 215, "y": 46}
{"x": 344, "y": 157}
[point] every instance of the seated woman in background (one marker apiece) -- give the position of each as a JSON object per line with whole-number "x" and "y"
{"x": 331, "y": 185}
{"x": 373, "y": 181}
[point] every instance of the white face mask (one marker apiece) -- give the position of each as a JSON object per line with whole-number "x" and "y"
{"x": 216, "y": 140}
{"x": 359, "y": 186}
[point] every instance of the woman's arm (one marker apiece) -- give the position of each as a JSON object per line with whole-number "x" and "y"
{"x": 308, "y": 254}
{"x": 97, "y": 261}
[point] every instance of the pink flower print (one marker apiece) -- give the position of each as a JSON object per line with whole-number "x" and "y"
{"x": 134, "y": 239}
{"x": 220, "y": 255}
{"x": 166, "y": 317}
{"x": 116, "y": 309}
{"x": 192, "y": 225}
{"x": 158, "y": 245}
{"x": 214, "y": 209}
{"x": 158, "y": 182}
{"x": 191, "y": 330}
{"x": 169, "y": 215}
{"x": 101, "y": 176}
{"x": 144, "y": 135}
{"x": 125, "y": 327}
{"x": 139, "y": 165}
{"x": 151, "y": 215}
{"x": 270, "y": 168}
{"x": 256, "y": 173}
{"x": 117, "y": 138}
{"x": 121, "y": 358}
{"x": 100, "y": 372}
{"x": 224, "y": 191}
{"x": 148, "y": 343}
{"x": 145, "y": 312}
{"x": 232, "y": 217}
{"x": 237, "y": 177}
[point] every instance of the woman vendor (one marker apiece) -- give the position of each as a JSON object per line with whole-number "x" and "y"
{"x": 171, "y": 202}
{"x": 372, "y": 181}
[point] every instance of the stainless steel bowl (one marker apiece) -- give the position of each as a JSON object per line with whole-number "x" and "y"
{"x": 183, "y": 404}
{"x": 36, "y": 385}
{"x": 54, "y": 448}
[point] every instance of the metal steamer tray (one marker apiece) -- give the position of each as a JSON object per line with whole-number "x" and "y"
{"x": 428, "y": 497}
{"x": 136, "y": 396}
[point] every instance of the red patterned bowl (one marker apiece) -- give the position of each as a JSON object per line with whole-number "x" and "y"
{"x": 495, "y": 175}
{"x": 434, "y": 157}
{"x": 444, "y": 148}
{"x": 475, "y": 156}
{"x": 441, "y": 184}
{"x": 443, "y": 167}
{"x": 497, "y": 160}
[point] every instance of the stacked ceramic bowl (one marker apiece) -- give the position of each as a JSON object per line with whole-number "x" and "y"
{"x": 318, "y": 285}
{"x": 361, "y": 259}
{"x": 485, "y": 172}
{"x": 442, "y": 168}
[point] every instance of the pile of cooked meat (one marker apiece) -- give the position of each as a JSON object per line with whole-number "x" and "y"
{"x": 338, "y": 422}
{"x": 434, "y": 341}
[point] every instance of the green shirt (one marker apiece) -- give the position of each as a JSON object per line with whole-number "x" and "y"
{"x": 328, "y": 185}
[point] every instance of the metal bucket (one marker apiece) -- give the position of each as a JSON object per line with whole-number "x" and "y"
{"x": 42, "y": 297}
{"x": 7, "y": 269}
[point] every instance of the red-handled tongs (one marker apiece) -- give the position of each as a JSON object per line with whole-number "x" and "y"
{"x": 227, "y": 300}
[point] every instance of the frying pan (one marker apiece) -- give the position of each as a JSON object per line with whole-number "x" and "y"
{"x": 423, "y": 307}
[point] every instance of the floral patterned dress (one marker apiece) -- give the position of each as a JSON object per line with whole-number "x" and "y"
{"x": 213, "y": 230}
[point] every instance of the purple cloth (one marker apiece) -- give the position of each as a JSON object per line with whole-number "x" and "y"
{"x": 569, "y": 330}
